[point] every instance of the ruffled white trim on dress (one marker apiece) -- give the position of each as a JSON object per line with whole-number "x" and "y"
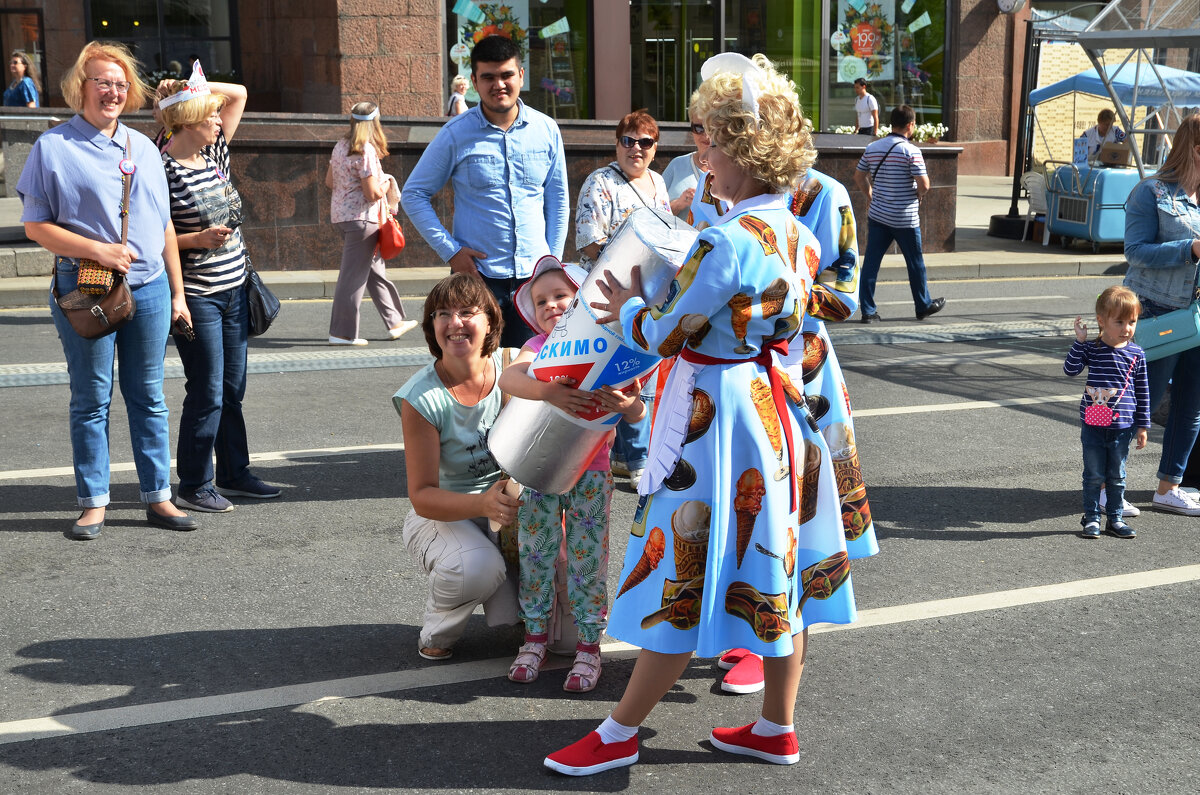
{"x": 671, "y": 417}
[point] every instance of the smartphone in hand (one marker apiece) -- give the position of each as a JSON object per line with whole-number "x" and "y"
{"x": 183, "y": 329}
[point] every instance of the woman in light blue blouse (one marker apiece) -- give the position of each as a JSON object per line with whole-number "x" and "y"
{"x": 24, "y": 89}
{"x": 72, "y": 192}
{"x": 1162, "y": 244}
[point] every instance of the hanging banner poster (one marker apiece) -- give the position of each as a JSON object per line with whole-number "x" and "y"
{"x": 478, "y": 20}
{"x": 864, "y": 40}
{"x": 922, "y": 21}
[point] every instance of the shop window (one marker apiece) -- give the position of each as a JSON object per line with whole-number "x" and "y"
{"x": 167, "y": 35}
{"x": 554, "y": 41}
{"x": 669, "y": 41}
{"x": 898, "y": 46}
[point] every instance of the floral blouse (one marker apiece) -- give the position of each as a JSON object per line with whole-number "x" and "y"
{"x": 605, "y": 200}
{"x": 348, "y": 202}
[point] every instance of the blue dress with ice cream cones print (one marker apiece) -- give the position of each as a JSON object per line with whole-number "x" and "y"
{"x": 742, "y": 544}
{"x": 822, "y": 204}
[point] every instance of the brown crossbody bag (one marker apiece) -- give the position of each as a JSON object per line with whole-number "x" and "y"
{"x": 94, "y": 315}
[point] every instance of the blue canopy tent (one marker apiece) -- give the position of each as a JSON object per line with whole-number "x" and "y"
{"x": 1132, "y": 82}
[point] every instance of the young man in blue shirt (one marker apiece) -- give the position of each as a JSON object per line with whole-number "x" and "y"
{"x": 505, "y": 162}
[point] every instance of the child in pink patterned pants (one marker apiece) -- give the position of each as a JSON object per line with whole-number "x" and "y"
{"x": 583, "y": 510}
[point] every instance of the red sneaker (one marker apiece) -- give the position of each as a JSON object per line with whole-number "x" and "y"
{"x": 592, "y": 755}
{"x": 745, "y": 677}
{"x": 732, "y": 658}
{"x": 782, "y": 750}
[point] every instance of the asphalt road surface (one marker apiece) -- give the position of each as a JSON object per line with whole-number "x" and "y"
{"x": 275, "y": 649}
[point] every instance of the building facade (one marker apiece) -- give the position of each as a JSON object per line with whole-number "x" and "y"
{"x": 957, "y": 62}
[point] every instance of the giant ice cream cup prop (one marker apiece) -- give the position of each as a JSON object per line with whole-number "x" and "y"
{"x": 545, "y": 448}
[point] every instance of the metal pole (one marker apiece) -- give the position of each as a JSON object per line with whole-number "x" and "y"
{"x": 1027, "y": 84}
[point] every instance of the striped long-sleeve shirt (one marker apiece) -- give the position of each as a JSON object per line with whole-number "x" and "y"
{"x": 1110, "y": 368}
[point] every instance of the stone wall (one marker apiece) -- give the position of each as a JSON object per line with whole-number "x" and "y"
{"x": 984, "y": 89}
{"x": 279, "y": 163}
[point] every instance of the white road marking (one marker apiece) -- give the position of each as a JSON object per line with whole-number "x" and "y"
{"x": 296, "y": 455}
{"x": 967, "y": 405}
{"x": 990, "y": 300}
{"x": 279, "y": 455}
{"x": 450, "y": 673}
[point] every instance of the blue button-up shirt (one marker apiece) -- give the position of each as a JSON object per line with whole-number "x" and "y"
{"x": 73, "y": 178}
{"x": 510, "y": 191}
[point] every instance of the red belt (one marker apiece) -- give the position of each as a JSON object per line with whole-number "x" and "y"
{"x": 777, "y": 395}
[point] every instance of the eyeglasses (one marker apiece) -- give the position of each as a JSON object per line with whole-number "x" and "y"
{"x": 698, "y": 129}
{"x": 628, "y": 141}
{"x": 120, "y": 86}
{"x": 462, "y": 314}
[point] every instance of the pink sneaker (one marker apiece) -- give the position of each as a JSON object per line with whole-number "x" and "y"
{"x": 731, "y": 658}
{"x": 592, "y": 755}
{"x": 783, "y": 749}
{"x": 745, "y": 677}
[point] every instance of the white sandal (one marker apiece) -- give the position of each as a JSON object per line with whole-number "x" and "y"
{"x": 528, "y": 665}
{"x": 584, "y": 674}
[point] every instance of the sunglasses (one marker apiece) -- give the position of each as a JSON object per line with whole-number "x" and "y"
{"x": 698, "y": 129}
{"x": 628, "y": 141}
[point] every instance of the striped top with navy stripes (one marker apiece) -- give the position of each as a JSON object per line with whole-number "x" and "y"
{"x": 1109, "y": 368}
{"x": 202, "y": 198}
{"x": 893, "y": 188}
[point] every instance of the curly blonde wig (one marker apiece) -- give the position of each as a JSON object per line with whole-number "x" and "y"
{"x": 190, "y": 111}
{"x": 777, "y": 148}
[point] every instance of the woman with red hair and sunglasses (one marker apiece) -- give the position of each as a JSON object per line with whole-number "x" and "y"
{"x": 607, "y": 197}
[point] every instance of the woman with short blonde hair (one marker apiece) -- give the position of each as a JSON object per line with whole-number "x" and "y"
{"x": 362, "y": 197}
{"x": 738, "y": 542}
{"x": 457, "y": 103}
{"x": 73, "y": 193}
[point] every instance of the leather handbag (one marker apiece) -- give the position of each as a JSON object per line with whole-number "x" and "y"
{"x": 94, "y": 313}
{"x": 391, "y": 236}
{"x": 1169, "y": 333}
{"x": 93, "y": 317}
{"x": 262, "y": 305}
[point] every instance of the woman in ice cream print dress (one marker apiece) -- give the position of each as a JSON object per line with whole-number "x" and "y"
{"x": 739, "y": 541}
{"x": 822, "y": 204}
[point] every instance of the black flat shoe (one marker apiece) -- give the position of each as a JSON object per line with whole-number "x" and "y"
{"x": 86, "y": 532}
{"x": 871, "y": 318}
{"x": 180, "y": 523}
{"x": 935, "y": 306}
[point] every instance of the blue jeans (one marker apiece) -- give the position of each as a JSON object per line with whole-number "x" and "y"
{"x": 1182, "y": 371}
{"x": 879, "y": 237}
{"x": 516, "y": 331}
{"x": 215, "y": 366}
{"x": 632, "y": 442}
{"x": 139, "y": 347}
{"x": 1104, "y": 454}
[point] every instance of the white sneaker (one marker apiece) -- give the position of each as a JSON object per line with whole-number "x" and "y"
{"x": 340, "y": 341}
{"x": 1176, "y": 501}
{"x": 404, "y": 327}
{"x": 635, "y": 477}
{"x": 1128, "y": 510}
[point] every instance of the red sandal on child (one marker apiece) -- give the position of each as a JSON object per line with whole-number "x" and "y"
{"x": 585, "y": 673}
{"x": 528, "y": 664}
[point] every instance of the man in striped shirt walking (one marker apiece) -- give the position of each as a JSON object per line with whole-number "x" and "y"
{"x": 892, "y": 174}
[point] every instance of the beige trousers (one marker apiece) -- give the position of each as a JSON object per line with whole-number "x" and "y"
{"x": 465, "y": 569}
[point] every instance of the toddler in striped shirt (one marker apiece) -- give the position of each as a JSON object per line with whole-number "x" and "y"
{"x": 1115, "y": 407}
